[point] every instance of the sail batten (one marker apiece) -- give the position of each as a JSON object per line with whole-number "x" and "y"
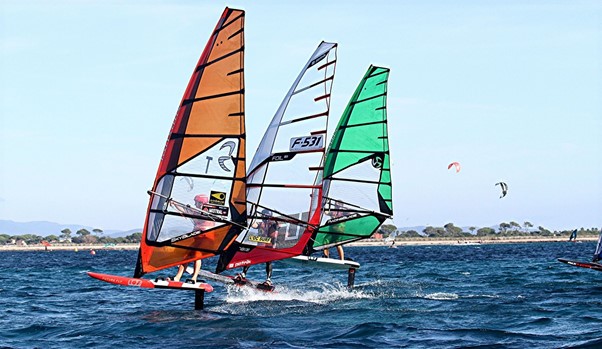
{"x": 216, "y": 60}
{"x": 342, "y": 179}
{"x": 303, "y": 118}
{"x": 365, "y": 124}
{"x": 369, "y": 98}
{"x": 190, "y": 101}
{"x": 325, "y": 65}
{"x": 314, "y": 84}
{"x": 240, "y": 31}
{"x": 322, "y": 97}
{"x": 196, "y": 135}
{"x": 379, "y": 73}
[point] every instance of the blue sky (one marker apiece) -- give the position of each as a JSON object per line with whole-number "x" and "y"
{"x": 510, "y": 89}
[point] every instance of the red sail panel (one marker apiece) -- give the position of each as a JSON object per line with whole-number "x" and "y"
{"x": 197, "y": 204}
{"x": 268, "y": 253}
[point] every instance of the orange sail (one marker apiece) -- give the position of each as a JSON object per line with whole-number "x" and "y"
{"x": 197, "y": 204}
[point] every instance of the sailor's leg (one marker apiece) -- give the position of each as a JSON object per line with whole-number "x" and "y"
{"x": 181, "y": 269}
{"x": 243, "y": 274}
{"x": 268, "y": 270}
{"x": 197, "y": 268}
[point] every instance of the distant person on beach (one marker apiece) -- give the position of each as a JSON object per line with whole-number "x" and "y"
{"x": 199, "y": 225}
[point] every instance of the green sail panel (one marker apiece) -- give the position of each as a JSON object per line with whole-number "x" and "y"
{"x": 357, "y": 172}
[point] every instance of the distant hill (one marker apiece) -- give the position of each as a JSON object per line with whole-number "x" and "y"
{"x": 44, "y": 228}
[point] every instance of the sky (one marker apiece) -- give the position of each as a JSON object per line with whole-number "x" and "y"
{"x": 510, "y": 89}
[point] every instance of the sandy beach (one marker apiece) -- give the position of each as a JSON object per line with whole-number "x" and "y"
{"x": 368, "y": 242}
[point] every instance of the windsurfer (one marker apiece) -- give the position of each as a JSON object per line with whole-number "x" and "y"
{"x": 336, "y": 213}
{"x": 199, "y": 224}
{"x": 269, "y": 229}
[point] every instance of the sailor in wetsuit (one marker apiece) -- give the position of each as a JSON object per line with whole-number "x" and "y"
{"x": 266, "y": 228}
{"x": 340, "y": 227}
{"x": 199, "y": 225}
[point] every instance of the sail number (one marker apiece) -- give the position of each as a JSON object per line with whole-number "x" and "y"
{"x": 306, "y": 143}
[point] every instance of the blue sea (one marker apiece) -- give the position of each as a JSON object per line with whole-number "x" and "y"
{"x": 464, "y": 296}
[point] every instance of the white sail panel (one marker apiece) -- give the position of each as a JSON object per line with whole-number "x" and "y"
{"x": 284, "y": 181}
{"x": 199, "y": 192}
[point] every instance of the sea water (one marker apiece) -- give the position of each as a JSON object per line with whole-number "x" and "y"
{"x": 461, "y": 296}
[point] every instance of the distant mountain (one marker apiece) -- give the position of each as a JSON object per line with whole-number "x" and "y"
{"x": 44, "y": 228}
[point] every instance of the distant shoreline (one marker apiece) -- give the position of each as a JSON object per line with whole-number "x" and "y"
{"x": 367, "y": 242}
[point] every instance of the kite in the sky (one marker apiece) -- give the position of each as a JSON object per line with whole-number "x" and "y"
{"x": 456, "y": 164}
{"x": 504, "y": 188}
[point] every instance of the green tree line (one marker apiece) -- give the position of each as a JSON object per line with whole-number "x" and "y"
{"x": 505, "y": 229}
{"x": 82, "y": 236}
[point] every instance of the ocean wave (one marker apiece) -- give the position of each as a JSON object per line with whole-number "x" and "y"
{"x": 441, "y": 296}
{"x": 324, "y": 294}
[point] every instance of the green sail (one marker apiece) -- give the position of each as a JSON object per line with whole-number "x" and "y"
{"x": 357, "y": 173}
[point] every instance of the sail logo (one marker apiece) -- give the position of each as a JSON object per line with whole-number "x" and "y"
{"x": 223, "y": 159}
{"x": 135, "y": 283}
{"x": 216, "y": 210}
{"x": 378, "y": 160}
{"x": 306, "y": 143}
{"x": 185, "y": 236}
{"x": 282, "y": 156}
{"x": 229, "y": 148}
{"x": 217, "y": 198}
{"x": 263, "y": 239}
{"x": 317, "y": 59}
{"x": 239, "y": 264}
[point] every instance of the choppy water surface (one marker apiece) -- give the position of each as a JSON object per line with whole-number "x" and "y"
{"x": 494, "y": 296}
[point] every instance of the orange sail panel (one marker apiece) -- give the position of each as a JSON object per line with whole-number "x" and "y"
{"x": 197, "y": 205}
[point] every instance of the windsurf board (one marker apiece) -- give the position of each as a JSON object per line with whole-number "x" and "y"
{"x": 588, "y": 265}
{"x": 148, "y": 283}
{"x": 321, "y": 262}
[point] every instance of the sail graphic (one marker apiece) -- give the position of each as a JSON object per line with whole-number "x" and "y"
{"x": 284, "y": 181}
{"x": 197, "y": 204}
{"x": 357, "y": 173}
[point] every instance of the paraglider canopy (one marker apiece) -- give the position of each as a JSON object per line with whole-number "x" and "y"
{"x": 455, "y": 164}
